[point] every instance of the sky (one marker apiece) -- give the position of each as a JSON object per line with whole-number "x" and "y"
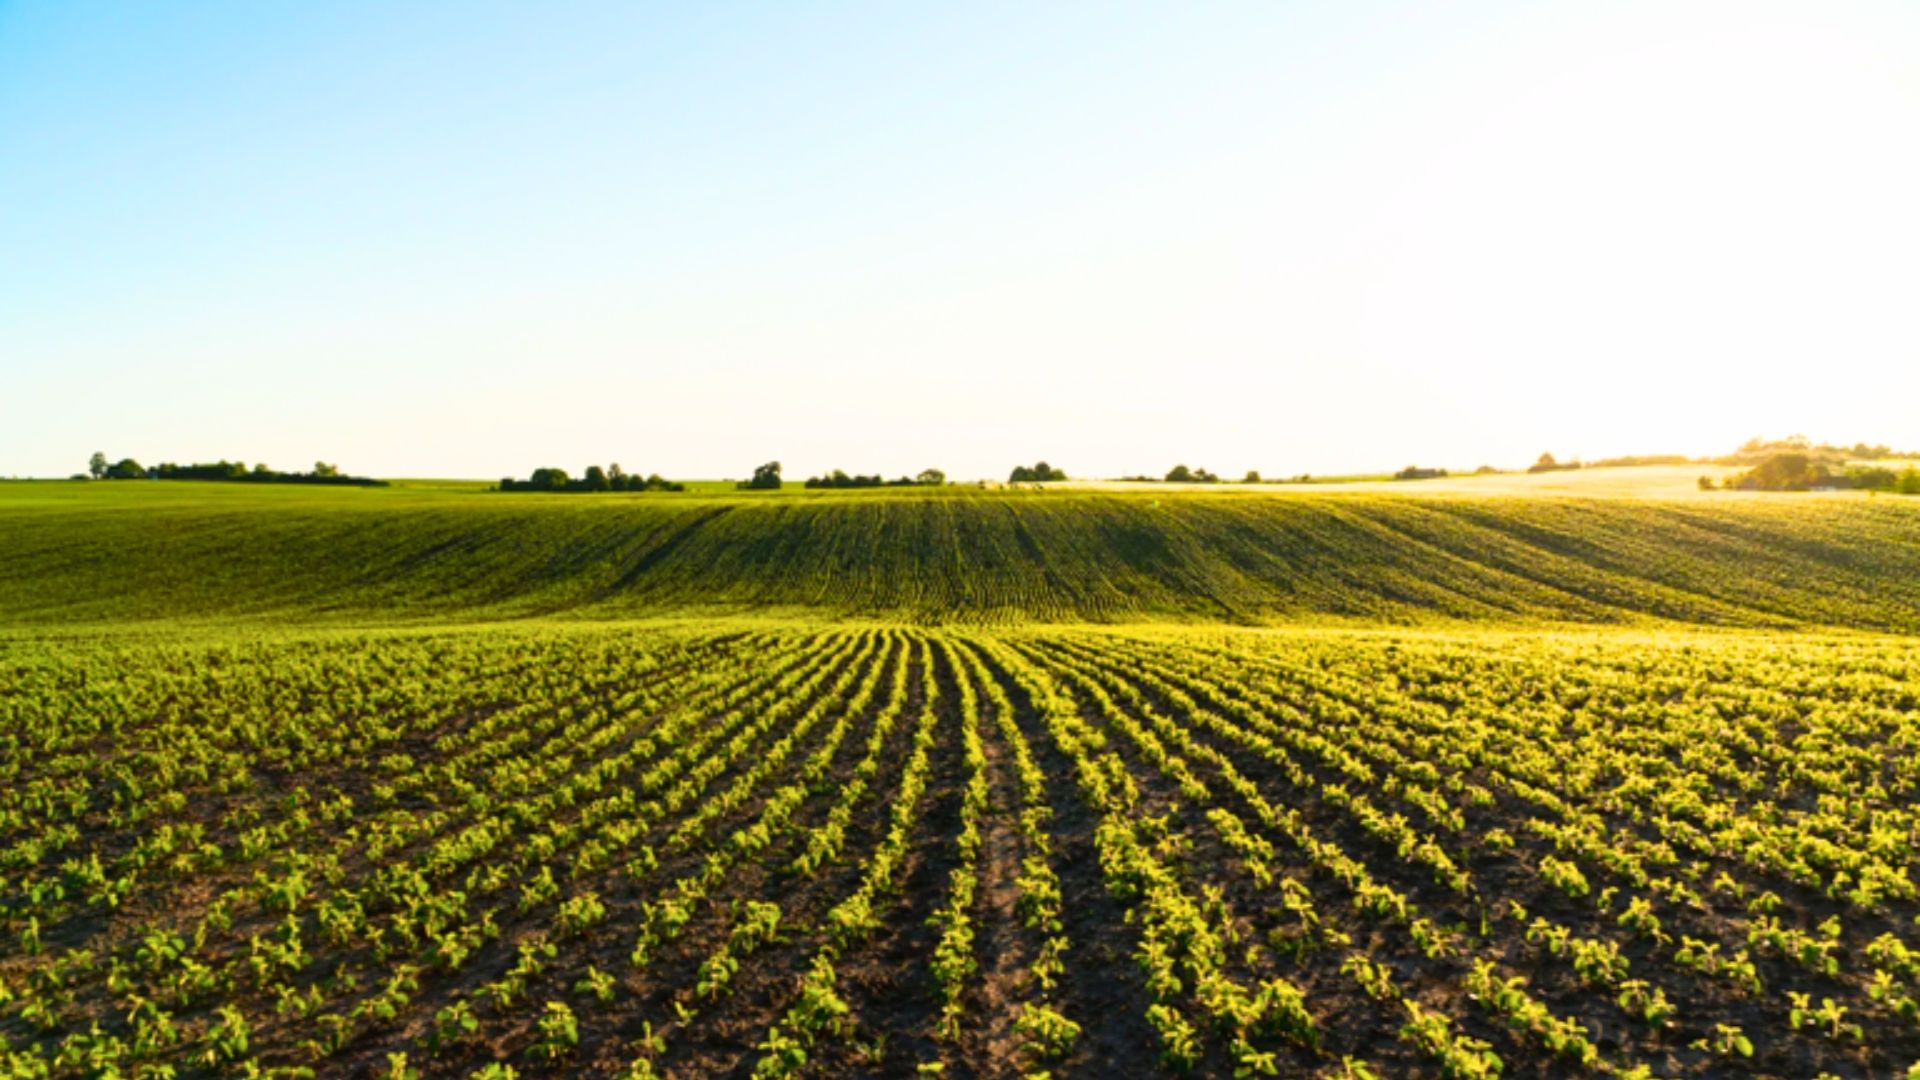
{"x": 468, "y": 240}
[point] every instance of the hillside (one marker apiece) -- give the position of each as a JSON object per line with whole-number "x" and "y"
{"x": 72, "y": 552}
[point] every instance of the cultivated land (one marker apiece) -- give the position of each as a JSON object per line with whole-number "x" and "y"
{"x": 117, "y": 551}
{"x": 1128, "y": 782}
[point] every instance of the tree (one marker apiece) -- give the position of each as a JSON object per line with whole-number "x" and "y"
{"x": 321, "y": 468}
{"x": 1786, "y": 472}
{"x": 931, "y": 477}
{"x": 1252, "y": 477}
{"x": 1909, "y": 482}
{"x": 596, "y": 478}
{"x": 1180, "y": 474}
{"x": 1037, "y": 473}
{"x": 97, "y": 465}
{"x": 765, "y": 478}
{"x": 126, "y": 469}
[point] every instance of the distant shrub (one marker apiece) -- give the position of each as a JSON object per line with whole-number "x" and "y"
{"x": 1872, "y": 478}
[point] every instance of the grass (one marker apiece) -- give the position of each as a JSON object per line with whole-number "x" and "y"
{"x": 104, "y": 553}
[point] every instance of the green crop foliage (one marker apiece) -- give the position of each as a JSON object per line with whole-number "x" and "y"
{"x": 200, "y": 837}
{"x": 434, "y": 782}
{"x": 167, "y": 552}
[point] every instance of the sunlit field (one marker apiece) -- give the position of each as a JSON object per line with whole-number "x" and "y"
{"x": 103, "y": 554}
{"x": 709, "y": 847}
{"x": 429, "y": 780}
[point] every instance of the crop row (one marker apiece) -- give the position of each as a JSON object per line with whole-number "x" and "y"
{"x": 775, "y": 849}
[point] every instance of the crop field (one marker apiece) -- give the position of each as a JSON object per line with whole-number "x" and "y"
{"x": 430, "y": 781}
{"x": 693, "y": 847}
{"x": 212, "y": 553}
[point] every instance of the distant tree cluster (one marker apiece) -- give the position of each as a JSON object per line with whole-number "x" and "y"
{"x": 765, "y": 478}
{"x": 1826, "y": 464}
{"x": 1415, "y": 472}
{"x": 1035, "y": 474}
{"x": 1640, "y": 459}
{"x": 1181, "y": 474}
{"x": 1789, "y": 471}
{"x": 129, "y": 469}
{"x": 839, "y": 479}
{"x": 1801, "y": 470}
{"x": 611, "y": 478}
{"x": 1756, "y": 450}
{"x": 1546, "y": 462}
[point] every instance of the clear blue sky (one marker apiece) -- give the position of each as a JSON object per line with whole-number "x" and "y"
{"x": 472, "y": 239}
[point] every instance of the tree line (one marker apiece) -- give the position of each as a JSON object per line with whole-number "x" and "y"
{"x": 1795, "y": 470}
{"x": 99, "y": 468}
{"x": 1180, "y": 474}
{"x": 767, "y": 478}
{"x": 611, "y": 478}
{"x": 839, "y": 479}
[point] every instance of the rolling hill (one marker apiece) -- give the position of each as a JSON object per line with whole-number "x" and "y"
{"x": 74, "y": 552}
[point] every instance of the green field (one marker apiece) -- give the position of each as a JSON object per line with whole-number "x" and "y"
{"x": 433, "y": 781}
{"x": 107, "y": 553}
